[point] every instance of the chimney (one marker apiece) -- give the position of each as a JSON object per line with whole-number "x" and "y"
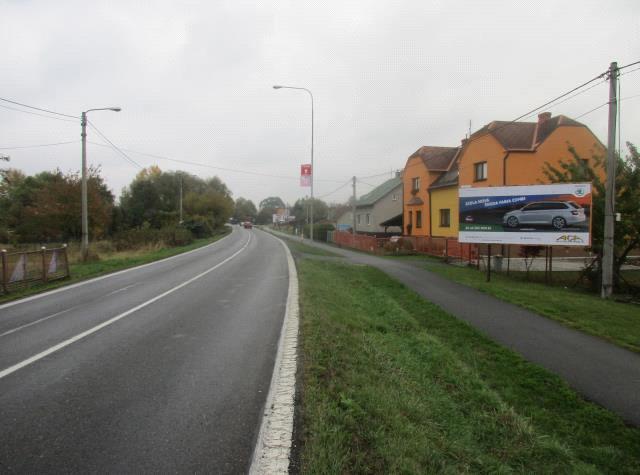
{"x": 398, "y": 174}
{"x": 463, "y": 142}
{"x": 543, "y": 118}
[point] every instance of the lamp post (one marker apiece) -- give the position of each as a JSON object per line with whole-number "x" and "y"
{"x": 312, "y": 169}
{"x": 85, "y": 213}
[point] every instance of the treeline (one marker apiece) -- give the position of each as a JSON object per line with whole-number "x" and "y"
{"x": 46, "y": 207}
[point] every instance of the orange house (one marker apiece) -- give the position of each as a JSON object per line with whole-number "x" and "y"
{"x": 515, "y": 153}
{"x": 424, "y": 167}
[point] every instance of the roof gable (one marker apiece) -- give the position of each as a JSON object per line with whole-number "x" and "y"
{"x": 379, "y": 192}
{"x": 435, "y": 159}
{"x": 524, "y": 135}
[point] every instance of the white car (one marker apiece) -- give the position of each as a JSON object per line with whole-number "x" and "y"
{"x": 558, "y": 214}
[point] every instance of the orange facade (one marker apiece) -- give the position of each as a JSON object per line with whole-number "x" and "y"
{"x": 525, "y": 166}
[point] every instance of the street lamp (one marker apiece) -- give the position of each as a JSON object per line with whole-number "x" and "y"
{"x": 312, "y": 169}
{"x": 85, "y": 212}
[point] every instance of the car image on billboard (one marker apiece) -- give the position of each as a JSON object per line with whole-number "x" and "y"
{"x": 557, "y": 214}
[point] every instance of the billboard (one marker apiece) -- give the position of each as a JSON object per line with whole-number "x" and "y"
{"x": 540, "y": 215}
{"x": 305, "y": 174}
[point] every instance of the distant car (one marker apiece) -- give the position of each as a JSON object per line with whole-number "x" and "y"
{"x": 247, "y": 225}
{"x": 557, "y": 214}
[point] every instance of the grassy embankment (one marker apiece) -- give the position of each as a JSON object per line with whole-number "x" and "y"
{"x": 106, "y": 261}
{"x": 393, "y": 384}
{"x": 617, "y": 322}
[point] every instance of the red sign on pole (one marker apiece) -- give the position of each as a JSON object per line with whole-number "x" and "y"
{"x": 305, "y": 174}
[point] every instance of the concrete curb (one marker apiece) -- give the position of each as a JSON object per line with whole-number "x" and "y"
{"x": 273, "y": 447}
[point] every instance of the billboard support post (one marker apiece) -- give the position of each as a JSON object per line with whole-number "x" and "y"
{"x": 489, "y": 263}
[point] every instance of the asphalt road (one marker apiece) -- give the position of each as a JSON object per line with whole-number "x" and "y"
{"x": 164, "y": 368}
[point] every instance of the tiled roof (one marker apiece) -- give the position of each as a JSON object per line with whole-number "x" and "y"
{"x": 436, "y": 158}
{"x": 379, "y": 192}
{"x": 524, "y": 135}
{"x": 449, "y": 178}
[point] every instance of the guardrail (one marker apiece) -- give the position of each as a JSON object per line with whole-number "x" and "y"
{"x": 20, "y": 269}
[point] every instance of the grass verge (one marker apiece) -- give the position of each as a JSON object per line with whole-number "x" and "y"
{"x": 87, "y": 270}
{"x": 393, "y": 384}
{"x": 617, "y": 322}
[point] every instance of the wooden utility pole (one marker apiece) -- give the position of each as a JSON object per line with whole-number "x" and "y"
{"x": 353, "y": 205}
{"x": 610, "y": 189}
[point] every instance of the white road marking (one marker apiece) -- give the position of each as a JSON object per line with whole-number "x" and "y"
{"x": 273, "y": 447}
{"x": 108, "y": 276}
{"x": 80, "y": 336}
{"x": 123, "y": 289}
{"x": 13, "y": 330}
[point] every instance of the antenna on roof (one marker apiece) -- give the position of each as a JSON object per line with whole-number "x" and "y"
{"x": 469, "y": 136}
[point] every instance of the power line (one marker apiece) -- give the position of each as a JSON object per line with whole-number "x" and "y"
{"x": 214, "y": 167}
{"x": 115, "y": 147}
{"x": 627, "y": 72}
{"x": 38, "y": 108}
{"x": 37, "y": 146}
{"x": 365, "y": 183}
{"x": 574, "y": 95}
{"x": 334, "y": 191}
{"x": 628, "y": 65}
{"x": 605, "y": 104}
{"x": 375, "y": 176}
{"x": 35, "y": 113}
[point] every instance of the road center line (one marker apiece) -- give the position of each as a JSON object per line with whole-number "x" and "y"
{"x": 13, "y": 330}
{"x": 80, "y": 336}
{"x": 122, "y": 289}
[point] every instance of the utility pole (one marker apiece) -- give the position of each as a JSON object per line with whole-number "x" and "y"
{"x": 180, "y": 200}
{"x": 610, "y": 189}
{"x": 84, "y": 245}
{"x": 353, "y": 204}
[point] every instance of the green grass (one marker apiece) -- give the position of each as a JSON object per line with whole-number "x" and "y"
{"x": 617, "y": 322}
{"x": 393, "y": 384}
{"x": 299, "y": 248}
{"x": 87, "y": 270}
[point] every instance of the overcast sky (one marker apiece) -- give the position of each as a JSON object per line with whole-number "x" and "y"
{"x": 194, "y": 80}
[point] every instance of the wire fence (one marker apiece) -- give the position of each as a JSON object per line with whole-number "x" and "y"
{"x": 21, "y": 269}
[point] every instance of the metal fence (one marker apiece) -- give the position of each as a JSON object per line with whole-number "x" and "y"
{"x": 20, "y": 269}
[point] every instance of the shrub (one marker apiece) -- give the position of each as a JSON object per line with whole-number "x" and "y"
{"x": 139, "y": 237}
{"x": 319, "y": 231}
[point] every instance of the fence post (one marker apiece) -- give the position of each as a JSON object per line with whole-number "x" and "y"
{"x": 44, "y": 263}
{"x": 66, "y": 260}
{"x": 5, "y": 271}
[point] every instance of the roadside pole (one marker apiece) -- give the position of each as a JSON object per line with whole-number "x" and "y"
{"x": 610, "y": 189}
{"x": 353, "y": 205}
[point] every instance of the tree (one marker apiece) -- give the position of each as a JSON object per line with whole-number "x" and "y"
{"x": 46, "y": 206}
{"x": 301, "y": 210}
{"x": 244, "y": 209}
{"x": 272, "y": 202}
{"x": 627, "y": 230}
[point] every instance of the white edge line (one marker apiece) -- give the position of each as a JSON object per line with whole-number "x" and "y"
{"x": 107, "y": 276}
{"x": 273, "y": 448}
{"x": 65, "y": 343}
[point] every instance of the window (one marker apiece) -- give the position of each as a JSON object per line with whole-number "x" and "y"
{"x": 394, "y": 197}
{"x": 368, "y": 219}
{"x": 418, "y": 219}
{"x": 480, "y": 171}
{"x": 358, "y": 219}
{"x": 415, "y": 184}
{"x": 445, "y": 218}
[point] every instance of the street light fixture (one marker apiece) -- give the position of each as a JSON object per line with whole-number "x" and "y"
{"x": 312, "y": 169}
{"x": 85, "y": 213}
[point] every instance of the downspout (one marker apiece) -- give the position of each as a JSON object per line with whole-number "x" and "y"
{"x": 504, "y": 168}
{"x": 430, "y": 215}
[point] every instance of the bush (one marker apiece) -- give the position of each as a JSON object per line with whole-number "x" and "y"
{"x": 139, "y": 237}
{"x": 319, "y": 231}
{"x": 400, "y": 246}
